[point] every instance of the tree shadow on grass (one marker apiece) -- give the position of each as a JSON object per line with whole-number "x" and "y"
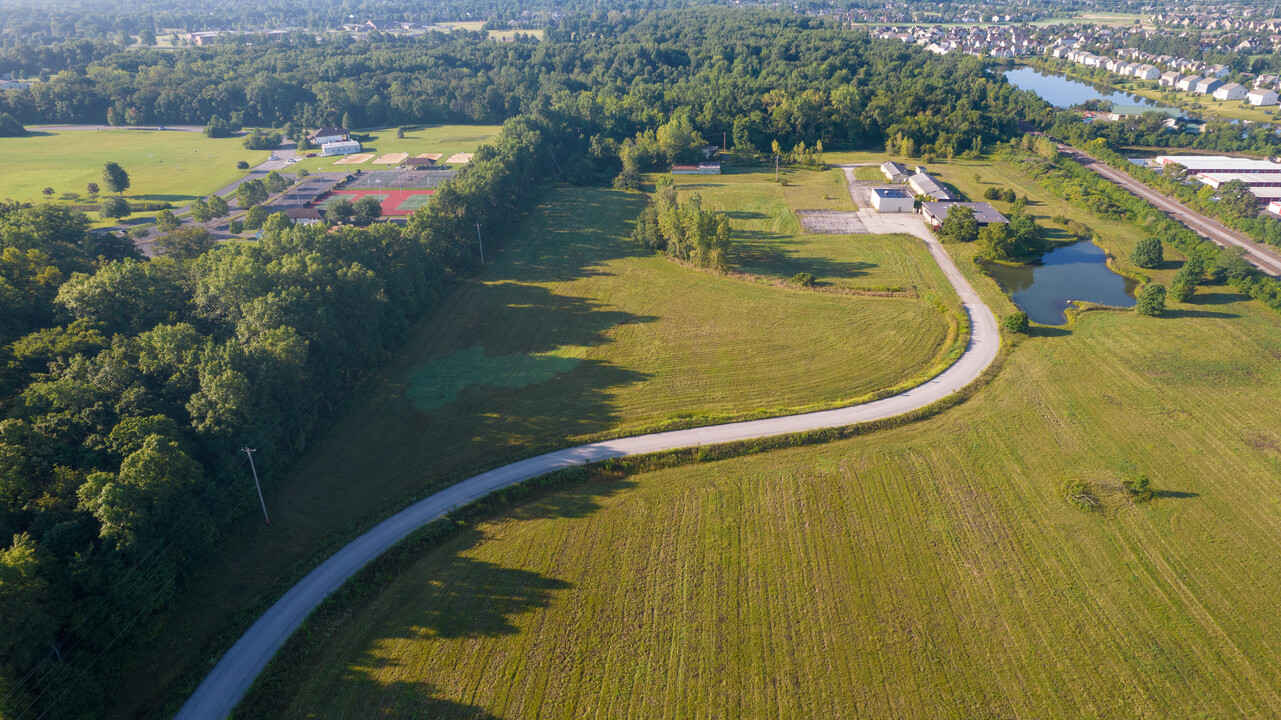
{"x": 165, "y": 198}
{"x": 450, "y": 595}
{"x": 1180, "y": 314}
{"x": 1048, "y": 331}
{"x": 784, "y": 260}
{"x": 1175, "y": 494}
{"x": 745, "y": 215}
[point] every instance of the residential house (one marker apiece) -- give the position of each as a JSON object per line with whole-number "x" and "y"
{"x": 1230, "y": 91}
{"x": 1208, "y": 85}
{"x": 1169, "y": 78}
{"x": 1188, "y": 83}
{"x": 1262, "y": 97}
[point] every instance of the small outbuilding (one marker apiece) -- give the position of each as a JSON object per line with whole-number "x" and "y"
{"x": 891, "y": 200}
{"x": 894, "y": 172}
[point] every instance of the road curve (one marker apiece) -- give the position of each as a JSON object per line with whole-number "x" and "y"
{"x": 1214, "y": 231}
{"x": 231, "y": 678}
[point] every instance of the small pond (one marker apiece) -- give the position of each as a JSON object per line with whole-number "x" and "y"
{"x": 1063, "y": 91}
{"x": 1074, "y": 272}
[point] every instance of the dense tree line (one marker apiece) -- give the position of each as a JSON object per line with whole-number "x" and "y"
{"x": 128, "y": 383}
{"x": 776, "y": 76}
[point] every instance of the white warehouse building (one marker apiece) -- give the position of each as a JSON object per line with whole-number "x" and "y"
{"x": 891, "y": 200}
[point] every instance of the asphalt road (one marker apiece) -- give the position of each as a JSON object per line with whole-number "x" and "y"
{"x": 1261, "y": 257}
{"x": 231, "y": 678}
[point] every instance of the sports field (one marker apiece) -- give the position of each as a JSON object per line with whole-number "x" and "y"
{"x": 162, "y": 165}
{"x": 395, "y": 203}
{"x": 934, "y": 570}
{"x": 572, "y": 332}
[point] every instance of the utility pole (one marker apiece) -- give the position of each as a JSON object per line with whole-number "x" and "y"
{"x": 482, "y": 244}
{"x": 250, "y": 453}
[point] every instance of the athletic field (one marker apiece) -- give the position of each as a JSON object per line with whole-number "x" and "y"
{"x": 395, "y": 203}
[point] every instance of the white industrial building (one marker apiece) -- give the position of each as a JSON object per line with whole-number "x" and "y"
{"x": 342, "y": 147}
{"x": 891, "y": 200}
{"x": 1199, "y": 164}
{"x": 1253, "y": 180}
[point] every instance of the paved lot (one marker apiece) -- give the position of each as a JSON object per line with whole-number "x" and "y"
{"x": 831, "y": 222}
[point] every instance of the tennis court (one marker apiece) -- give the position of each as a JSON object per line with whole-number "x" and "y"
{"x": 395, "y": 203}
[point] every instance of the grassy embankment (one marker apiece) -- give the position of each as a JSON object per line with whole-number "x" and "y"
{"x": 573, "y": 332}
{"x": 932, "y": 570}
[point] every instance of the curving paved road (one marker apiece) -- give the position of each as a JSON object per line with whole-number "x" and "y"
{"x": 235, "y": 672}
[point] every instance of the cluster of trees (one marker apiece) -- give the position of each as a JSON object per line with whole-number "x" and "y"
{"x": 1019, "y": 240}
{"x": 683, "y": 230}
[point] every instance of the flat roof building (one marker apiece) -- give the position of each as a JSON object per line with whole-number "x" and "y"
{"x": 891, "y": 200}
{"x": 1199, "y": 164}
{"x": 935, "y": 212}
{"x": 1253, "y": 180}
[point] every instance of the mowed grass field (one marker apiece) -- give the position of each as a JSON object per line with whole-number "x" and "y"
{"x": 574, "y": 332}
{"x": 933, "y": 570}
{"x": 771, "y": 241}
{"x": 444, "y": 139}
{"x": 162, "y": 165}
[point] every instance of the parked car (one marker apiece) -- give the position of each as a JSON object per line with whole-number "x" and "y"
{"x": 311, "y": 154}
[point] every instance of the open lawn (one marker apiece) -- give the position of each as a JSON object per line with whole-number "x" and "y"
{"x": 771, "y": 242}
{"x": 162, "y": 165}
{"x": 444, "y": 139}
{"x": 574, "y": 331}
{"x": 933, "y": 570}
{"x": 477, "y": 25}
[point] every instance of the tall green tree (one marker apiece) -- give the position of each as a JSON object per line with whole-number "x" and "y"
{"x": 114, "y": 178}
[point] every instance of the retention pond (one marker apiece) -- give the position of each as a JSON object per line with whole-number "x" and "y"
{"x": 1074, "y": 272}
{"x": 1063, "y": 92}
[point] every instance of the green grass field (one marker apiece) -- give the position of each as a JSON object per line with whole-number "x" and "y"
{"x": 772, "y": 243}
{"x": 444, "y": 139}
{"x": 933, "y": 570}
{"x": 573, "y": 332}
{"x": 169, "y": 165}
